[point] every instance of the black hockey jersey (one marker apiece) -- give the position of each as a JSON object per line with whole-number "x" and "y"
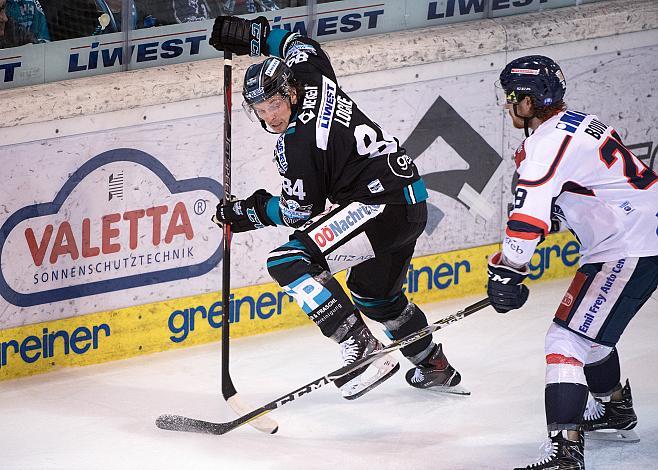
{"x": 331, "y": 149}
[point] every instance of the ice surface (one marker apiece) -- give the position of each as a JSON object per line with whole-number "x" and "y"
{"x": 102, "y": 417}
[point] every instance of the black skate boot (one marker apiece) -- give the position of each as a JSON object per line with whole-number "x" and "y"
{"x": 607, "y": 419}
{"x": 437, "y": 374}
{"x": 357, "y": 344}
{"x": 560, "y": 453}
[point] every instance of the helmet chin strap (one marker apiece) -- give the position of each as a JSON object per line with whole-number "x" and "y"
{"x": 264, "y": 126}
{"x": 526, "y": 121}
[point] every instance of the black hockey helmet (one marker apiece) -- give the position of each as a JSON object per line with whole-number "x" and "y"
{"x": 264, "y": 80}
{"x": 536, "y": 76}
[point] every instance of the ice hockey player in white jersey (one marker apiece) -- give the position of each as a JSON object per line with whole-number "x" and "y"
{"x": 575, "y": 168}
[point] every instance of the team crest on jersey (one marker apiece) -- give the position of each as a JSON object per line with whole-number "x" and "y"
{"x": 293, "y": 212}
{"x": 280, "y": 155}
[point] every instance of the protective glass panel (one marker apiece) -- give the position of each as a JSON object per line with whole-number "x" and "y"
{"x": 50, "y": 40}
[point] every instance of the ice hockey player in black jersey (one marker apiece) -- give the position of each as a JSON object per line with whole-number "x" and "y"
{"x": 328, "y": 149}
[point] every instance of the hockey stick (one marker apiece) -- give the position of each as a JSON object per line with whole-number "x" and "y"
{"x": 182, "y": 423}
{"x": 231, "y": 396}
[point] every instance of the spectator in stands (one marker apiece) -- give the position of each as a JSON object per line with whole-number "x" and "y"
{"x": 241, "y": 7}
{"x": 11, "y": 33}
{"x": 140, "y": 15}
{"x": 3, "y": 17}
{"x": 185, "y": 11}
{"x": 30, "y": 15}
{"x": 299, "y": 3}
{"x": 164, "y": 12}
{"x": 69, "y": 19}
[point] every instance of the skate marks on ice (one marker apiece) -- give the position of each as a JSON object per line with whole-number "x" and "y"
{"x": 102, "y": 416}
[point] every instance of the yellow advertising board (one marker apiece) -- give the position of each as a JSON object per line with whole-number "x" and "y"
{"x": 144, "y": 329}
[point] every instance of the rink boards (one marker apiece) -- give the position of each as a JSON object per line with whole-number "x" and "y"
{"x": 159, "y": 326}
{"x": 107, "y": 250}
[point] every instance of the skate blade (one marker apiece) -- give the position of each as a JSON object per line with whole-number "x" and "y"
{"x": 456, "y": 390}
{"x": 615, "y": 435}
{"x": 385, "y": 369}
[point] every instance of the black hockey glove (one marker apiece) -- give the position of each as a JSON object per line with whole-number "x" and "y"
{"x": 244, "y": 215}
{"x": 504, "y": 288}
{"x": 240, "y": 36}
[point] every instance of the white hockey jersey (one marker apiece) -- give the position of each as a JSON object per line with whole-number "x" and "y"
{"x": 577, "y": 168}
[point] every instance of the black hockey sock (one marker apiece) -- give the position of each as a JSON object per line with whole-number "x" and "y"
{"x": 603, "y": 377}
{"x": 565, "y": 404}
{"x": 401, "y": 318}
{"x": 410, "y": 320}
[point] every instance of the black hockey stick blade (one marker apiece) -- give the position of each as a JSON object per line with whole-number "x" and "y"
{"x": 182, "y": 423}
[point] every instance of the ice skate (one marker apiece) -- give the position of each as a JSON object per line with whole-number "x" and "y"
{"x": 610, "y": 420}
{"x": 559, "y": 453}
{"x": 436, "y": 374}
{"x": 356, "y": 345}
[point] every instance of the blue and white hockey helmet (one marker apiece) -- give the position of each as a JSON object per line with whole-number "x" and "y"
{"x": 536, "y": 76}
